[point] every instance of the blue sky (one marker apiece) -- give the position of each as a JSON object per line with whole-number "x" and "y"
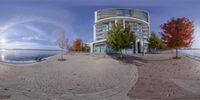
{"x": 37, "y": 23}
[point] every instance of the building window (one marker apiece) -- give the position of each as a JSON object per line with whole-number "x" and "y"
{"x": 119, "y": 12}
{"x": 123, "y": 12}
{"x": 141, "y": 15}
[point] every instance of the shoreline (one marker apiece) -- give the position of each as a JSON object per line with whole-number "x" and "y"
{"x": 15, "y": 56}
{"x": 18, "y": 63}
{"x": 32, "y": 62}
{"x": 196, "y": 58}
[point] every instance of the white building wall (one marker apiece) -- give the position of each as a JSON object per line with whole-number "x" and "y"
{"x": 94, "y": 32}
{"x": 95, "y": 16}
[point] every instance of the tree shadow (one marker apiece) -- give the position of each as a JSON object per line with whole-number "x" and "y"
{"x": 127, "y": 59}
{"x": 167, "y": 59}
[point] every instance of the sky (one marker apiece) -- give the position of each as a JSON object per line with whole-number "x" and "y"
{"x": 36, "y": 24}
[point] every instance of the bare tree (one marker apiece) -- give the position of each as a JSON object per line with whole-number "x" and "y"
{"x": 62, "y": 43}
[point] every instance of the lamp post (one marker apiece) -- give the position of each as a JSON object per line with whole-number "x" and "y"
{"x": 143, "y": 53}
{"x": 142, "y": 37}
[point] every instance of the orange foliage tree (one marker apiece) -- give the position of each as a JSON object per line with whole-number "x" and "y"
{"x": 77, "y": 45}
{"x": 178, "y": 33}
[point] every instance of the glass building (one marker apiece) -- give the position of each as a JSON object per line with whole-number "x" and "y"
{"x": 104, "y": 19}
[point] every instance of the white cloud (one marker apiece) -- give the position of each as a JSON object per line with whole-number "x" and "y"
{"x": 28, "y": 38}
{"x": 19, "y": 20}
{"x": 41, "y": 35}
{"x": 60, "y": 18}
{"x": 196, "y": 43}
{"x": 26, "y": 45}
{"x": 66, "y": 27}
{"x": 12, "y": 23}
{"x": 31, "y": 38}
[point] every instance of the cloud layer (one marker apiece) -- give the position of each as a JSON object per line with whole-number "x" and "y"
{"x": 38, "y": 26}
{"x": 40, "y": 21}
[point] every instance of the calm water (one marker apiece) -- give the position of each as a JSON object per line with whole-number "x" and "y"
{"x": 25, "y": 55}
{"x": 194, "y": 53}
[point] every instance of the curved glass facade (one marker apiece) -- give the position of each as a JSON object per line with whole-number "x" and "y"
{"x": 135, "y": 13}
{"x": 139, "y": 27}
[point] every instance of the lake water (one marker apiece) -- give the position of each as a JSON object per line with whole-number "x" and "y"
{"x": 191, "y": 52}
{"x": 195, "y": 53}
{"x": 26, "y": 55}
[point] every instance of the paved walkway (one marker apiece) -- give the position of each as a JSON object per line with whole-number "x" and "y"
{"x": 81, "y": 77}
{"x": 189, "y": 85}
{"x": 164, "y": 78}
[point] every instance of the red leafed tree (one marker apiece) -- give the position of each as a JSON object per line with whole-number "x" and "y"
{"x": 178, "y": 33}
{"x": 77, "y": 44}
{"x": 62, "y": 42}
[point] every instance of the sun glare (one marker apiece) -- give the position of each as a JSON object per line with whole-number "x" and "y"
{"x": 3, "y": 41}
{"x": 2, "y": 58}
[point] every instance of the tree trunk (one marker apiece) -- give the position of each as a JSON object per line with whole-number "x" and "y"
{"x": 176, "y": 52}
{"x": 120, "y": 53}
{"x": 62, "y": 55}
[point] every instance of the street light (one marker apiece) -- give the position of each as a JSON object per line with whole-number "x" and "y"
{"x": 142, "y": 36}
{"x": 143, "y": 53}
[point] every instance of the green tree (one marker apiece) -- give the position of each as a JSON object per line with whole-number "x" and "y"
{"x": 155, "y": 42}
{"x": 120, "y": 38}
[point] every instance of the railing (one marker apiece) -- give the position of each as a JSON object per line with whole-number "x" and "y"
{"x": 191, "y": 52}
{"x": 190, "y": 49}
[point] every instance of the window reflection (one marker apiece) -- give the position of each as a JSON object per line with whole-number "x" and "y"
{"x": 122, "y": 12}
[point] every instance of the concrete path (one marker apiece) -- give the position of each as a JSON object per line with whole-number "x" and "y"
{"x": 81, "y": 77}
{"x": 164, "y": 78}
